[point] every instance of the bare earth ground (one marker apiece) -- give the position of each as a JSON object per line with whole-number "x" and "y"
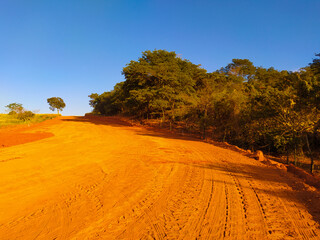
{"x": 99, "y": 178}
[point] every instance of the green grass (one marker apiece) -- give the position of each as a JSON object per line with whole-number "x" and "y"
{"x": 9, "y": 120}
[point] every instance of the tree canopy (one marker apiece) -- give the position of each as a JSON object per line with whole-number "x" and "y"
{"x": 160, "y": 83}
{"x": 19, "y": 112}
{"x": 56, "y": 103}
{"x": 14, "y": 108}
{"x": 253, "y": 107}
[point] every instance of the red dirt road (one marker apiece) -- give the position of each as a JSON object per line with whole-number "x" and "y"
{"x": 99, "y": 178}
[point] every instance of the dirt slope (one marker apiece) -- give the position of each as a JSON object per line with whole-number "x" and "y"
{"x": 103, "y": 179}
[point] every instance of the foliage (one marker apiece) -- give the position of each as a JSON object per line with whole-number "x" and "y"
{"x": 108, "y": 103}
{"x": 240, "y": 67}
{"x": 56, "y": 103}
{"x": 159, "y": 84}
{"x": 253, "y": 107}
{"x": 9, "y": 120}
{"x": 315, "y": 65}
{"x": 14, "y": 108}
{"x": 17, "y": 111}
{"x": 25, "y": 115}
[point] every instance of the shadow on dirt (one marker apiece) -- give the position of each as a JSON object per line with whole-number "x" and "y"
{"x": 299, "y": 193}
{"x": 139, "y": 129}
{"x": 112, "y": 121}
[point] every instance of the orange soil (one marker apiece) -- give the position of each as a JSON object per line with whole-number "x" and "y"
{"x": 100, "y": 178}
{"x": 19, "y": 134}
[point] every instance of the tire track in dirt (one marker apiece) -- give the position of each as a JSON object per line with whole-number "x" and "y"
{"x": 273, "y": 208}
{"x": 104, "y": 180}
{"x": 298, "y": 227}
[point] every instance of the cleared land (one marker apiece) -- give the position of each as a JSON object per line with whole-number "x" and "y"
{"x": 100, "y": 178}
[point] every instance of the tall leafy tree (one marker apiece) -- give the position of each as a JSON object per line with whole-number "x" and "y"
{"x": 160, "y": 83}
{"x": 250, "y": 106}
{"x": 56, "y": 103}
{"x": 240, "y": 67}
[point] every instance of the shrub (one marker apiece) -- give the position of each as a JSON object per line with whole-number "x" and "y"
{"x": 25, "y": 116}
{"x": 12, "y": 113}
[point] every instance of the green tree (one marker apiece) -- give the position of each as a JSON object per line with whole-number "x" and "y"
{"x": 240, "y": 67}
{"x": 160, "y": 84}
{"x": 25, "y": 115}
{"x": 93, "y": 99}
{"x": 315, "y": 65}
{"x": 56, "y": 103}
{"x": 108, "y": 103}
{"x": 252, "y": 107}
{"x": 14, "y": 108}
{"x": 19, "y": 112}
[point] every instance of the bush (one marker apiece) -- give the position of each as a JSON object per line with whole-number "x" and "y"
{"x": 12, "y": 113}
{"x": 25, "y": 116}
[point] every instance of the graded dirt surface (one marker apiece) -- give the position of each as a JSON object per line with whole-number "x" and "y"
{"x": 100, "y": 178}
{"x": 15, "y": 136}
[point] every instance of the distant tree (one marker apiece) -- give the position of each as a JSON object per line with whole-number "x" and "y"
{"x": 56, "y": 103}
{"x": 14, "y": 108}
{"x": 19, "y": 112}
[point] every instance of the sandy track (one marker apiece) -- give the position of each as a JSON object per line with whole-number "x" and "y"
{"x": 102, "y": 179}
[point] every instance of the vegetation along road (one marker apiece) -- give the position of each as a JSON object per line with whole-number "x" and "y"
{"x": 101, "y": 178}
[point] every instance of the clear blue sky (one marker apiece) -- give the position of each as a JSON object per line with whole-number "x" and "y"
{"x": 71, "y": 48}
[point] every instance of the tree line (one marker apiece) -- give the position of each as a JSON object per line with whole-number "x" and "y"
{"x": 17, "y": 109}
{"x": 252, "y": 107}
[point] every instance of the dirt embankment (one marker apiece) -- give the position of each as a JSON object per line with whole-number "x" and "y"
{"x": 101, "y": 178}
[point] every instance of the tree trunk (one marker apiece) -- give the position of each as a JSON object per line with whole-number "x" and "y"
{"x": 311, "y": 156}
{"x": 205, "y": 124}
{"x": 148, "y": 111}
{"x": 224, "y": 136}
{"x": 295, "y": 155}
{"x": 163, "y": 118}
{"x": 295, "y": 149}
{"x": 312, "y": 165}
